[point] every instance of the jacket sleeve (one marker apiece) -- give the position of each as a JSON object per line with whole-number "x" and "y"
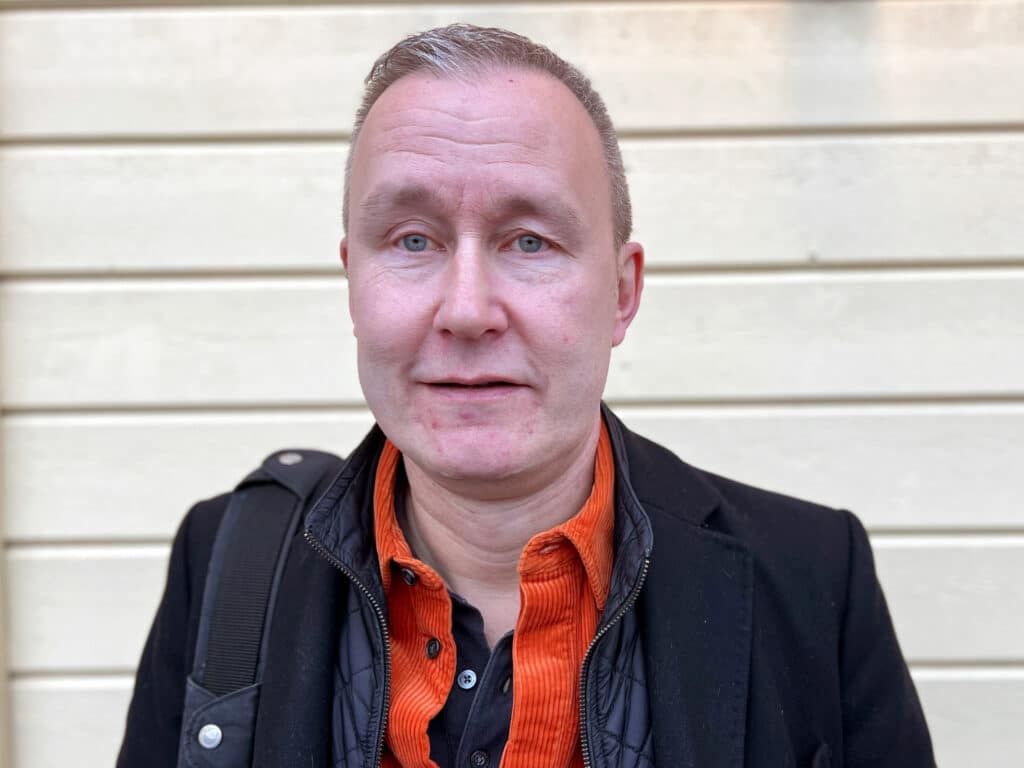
{"x": 154, "y": 715}
{"x": 883, "y": 724}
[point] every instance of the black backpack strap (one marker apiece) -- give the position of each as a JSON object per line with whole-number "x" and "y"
{"x": 246, "y": 564}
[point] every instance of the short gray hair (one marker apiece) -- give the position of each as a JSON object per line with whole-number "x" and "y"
{"x": 464, "y": 50}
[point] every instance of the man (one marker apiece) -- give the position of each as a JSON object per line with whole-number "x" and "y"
{"x": 502, "y": 574}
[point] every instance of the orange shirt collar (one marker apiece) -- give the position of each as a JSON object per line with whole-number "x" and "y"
{"x": 590, "y": 531}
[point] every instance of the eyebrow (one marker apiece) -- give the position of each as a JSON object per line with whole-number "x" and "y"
{"x": 392, "y": 196}
{"x": 546, "y": 207}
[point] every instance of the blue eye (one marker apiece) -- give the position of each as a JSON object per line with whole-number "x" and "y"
{"x": 415, "y": 243}
{"x": 530, "y": 243}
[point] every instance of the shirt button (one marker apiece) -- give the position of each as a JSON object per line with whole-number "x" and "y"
{"x": 409, "y": 576}
{"x": 466, "y": 679}
{"x": 479, "y": 759}
{"x": 433, "y": 648}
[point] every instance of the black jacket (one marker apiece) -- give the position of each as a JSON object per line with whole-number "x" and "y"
{"x": 766, "y": 640}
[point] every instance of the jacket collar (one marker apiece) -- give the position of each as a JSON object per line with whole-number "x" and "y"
{"x": 342, "y": 520}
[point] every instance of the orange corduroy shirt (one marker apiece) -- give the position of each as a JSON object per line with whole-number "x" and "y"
{"x": 564, "y": 577}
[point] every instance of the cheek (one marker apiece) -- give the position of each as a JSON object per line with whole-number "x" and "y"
{"x": 387, "y": 318}
{"x": 573, "y": 331}
{"x": 582, "y": 319}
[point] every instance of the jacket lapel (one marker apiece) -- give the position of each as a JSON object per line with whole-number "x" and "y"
{"x": 696, "y": 610}
{"x": 696, "y": 616}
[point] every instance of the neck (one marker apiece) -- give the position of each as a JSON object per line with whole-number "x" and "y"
{"x": 474, "y": 544}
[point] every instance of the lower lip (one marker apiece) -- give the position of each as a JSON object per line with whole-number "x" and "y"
{"x": 476, "y": 394}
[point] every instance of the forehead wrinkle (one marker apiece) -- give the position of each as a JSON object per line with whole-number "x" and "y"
{"x": 414, "y": 122}
{"x": 413, "y": 139}
{"x": 409, "y": 113}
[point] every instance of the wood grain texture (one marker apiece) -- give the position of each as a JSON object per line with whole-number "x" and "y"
{"x": 812, "y": 335}
{"x": 660, "y": 66}
{"x": 974, "y": 717}
{"x": 931, "y": 466}
{"x": 954, "y": 599}
{"x": 742, "y": 201}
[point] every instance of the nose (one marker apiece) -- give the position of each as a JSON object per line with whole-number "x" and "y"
{"x": 470, "y": 307}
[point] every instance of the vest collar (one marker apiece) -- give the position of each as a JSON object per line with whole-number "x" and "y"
{"x": 342, "y": 520}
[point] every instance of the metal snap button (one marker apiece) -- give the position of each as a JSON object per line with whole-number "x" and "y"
{"x": 289, "y": 458}
{"x": 210, "y": 736}
{"x": 409, "y": 576}
{"x": 479, "y": 759}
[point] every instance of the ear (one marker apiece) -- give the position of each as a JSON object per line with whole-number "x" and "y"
{"x": 630, "y": 286}
{"x": 343, "y": 248}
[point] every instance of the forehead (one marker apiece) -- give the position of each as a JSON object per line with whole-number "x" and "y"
{"x": 504, "y": 132}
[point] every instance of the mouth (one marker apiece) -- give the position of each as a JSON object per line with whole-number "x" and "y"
{"x": 475, "y": 390}
{"x": 474, "y": 384}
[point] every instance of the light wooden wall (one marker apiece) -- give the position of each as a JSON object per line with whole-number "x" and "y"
{"x": 831, "y": 196}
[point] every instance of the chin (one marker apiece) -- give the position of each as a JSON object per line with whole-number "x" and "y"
{"x": 476, "y": 456}
{"x": 473, "y": 456}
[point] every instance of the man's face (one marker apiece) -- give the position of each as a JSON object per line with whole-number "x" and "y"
{"x": 485, "y": 288}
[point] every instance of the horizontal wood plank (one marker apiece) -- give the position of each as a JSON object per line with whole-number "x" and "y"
{"x": 82, "y": 608}
{"x": 177, "y": 332}
{"x": 956, "y": 598}
{"x": 59, "y": 468}
{"x": 801, "y": 335}
{"x": 89, "y": 607}
{"x": 697, "y": 202}
{"x": 660, "y": 66}
{"x": 974, "y": 717}
{"x": 931, "y": 466}
{"x": 102, "y": 209}
{"x": 58, "y": 722}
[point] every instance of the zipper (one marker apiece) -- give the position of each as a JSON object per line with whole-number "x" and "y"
{"x": 382, "y": 626}
{"x": 634, "y": 593}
